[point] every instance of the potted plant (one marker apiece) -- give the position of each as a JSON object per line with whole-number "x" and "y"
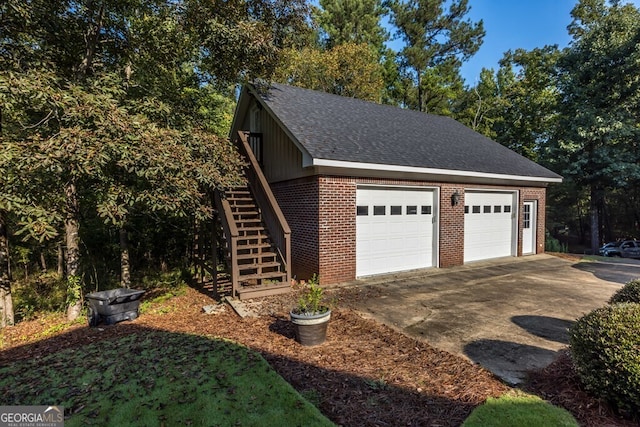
{"x": 311, "y": 316}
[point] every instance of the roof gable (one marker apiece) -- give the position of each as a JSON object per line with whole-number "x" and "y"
{"x": 340, "y": 129}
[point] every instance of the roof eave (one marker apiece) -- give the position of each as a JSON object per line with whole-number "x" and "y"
{"x": 431, "y": 173}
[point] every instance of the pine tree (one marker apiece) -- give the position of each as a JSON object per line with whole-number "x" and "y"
{"x": 433, "y": 37}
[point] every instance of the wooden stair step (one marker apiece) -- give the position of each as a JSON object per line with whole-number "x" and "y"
{"x": 253, "y": 246}
{"x": 259, "y": 276}
{"x": 258, "y": 255}
{"x": 259, "y": 291}
{"x": 244, "y": 222}
{"x": 251, "y": 234}
{"x": 250, "y": 224}
{"x": 236, "y": 208}
{"x": 253, "y": 228}
{"x": 256, "y": 239}
{"x": 239, "y": 215}
{"x": 256, "y": 265}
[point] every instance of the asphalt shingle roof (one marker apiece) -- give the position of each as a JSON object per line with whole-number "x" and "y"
{"x": 333, "y": 127}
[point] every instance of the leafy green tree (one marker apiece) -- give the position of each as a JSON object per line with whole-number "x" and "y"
{"x": 104, "y": 103}
{"x": 529, "y": 95}
{"x": 348, "y": 69}
{"x": 441, "y": 86}
{"x": 517, "y": 105}
{"x": 479, "y": 105}
{"x": 433, "y": 37}
{"x": 598, "y": 133}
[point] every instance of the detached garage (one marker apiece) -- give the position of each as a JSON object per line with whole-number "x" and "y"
{"x": 370, "y": 189}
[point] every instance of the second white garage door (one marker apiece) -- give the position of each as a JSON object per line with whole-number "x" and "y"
{"x": 395, "y": 229}
{"x": 489, "y": 225}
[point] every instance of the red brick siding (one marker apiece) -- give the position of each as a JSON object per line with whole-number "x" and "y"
{"x": 337, "y": 229}
{"x": 451, "y": 226}
{"x": 321, "y": 213}
{"x": 298, "y": 200}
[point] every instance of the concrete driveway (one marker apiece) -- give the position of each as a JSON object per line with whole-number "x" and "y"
{"x": 508, "y": 315}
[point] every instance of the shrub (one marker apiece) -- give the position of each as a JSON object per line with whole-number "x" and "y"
{"x": 43, "y": 293}
{"x": 628, "y": 293}
{"x": 551, "y": 244}
{"x": 604, "y": 347}
{"x": 311, "y": 300}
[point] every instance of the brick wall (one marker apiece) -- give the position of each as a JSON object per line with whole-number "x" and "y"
{"x": 337, "y": 229}
{"x": 538, "y": 194}
{"x": 298, "y": 200}
{"x": 321, "y": 213}
{"x": 451, "y": 226}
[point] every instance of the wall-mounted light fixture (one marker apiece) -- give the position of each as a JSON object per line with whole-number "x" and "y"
{"x": 455, "y": 198}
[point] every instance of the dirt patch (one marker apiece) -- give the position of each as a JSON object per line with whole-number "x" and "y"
{"x": 366, "y": 374}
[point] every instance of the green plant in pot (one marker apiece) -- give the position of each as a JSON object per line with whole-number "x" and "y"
{"x": 311, "y": 316}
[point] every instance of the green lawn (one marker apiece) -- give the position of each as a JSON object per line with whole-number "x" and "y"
{"x": 519, "y": 409}
{"x": 159, "y": 378}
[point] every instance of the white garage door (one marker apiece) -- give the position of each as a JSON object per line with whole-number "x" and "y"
{"x": 489, "y": 224}
{"x": 394, "y": 229}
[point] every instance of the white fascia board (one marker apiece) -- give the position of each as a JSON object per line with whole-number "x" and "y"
{"x": 427, "y": 171}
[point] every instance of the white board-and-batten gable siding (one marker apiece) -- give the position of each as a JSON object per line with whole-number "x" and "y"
{"x": 281, "y": 158}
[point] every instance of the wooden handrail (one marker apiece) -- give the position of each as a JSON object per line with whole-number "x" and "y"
{"x": 230, "y": 230}
{"x": 273, "y": 217}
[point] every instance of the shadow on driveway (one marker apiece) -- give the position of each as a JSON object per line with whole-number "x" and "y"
{"x": 550, "y": 328}
{"x": 508, "y": 360}
{"x": 618, "y": 271}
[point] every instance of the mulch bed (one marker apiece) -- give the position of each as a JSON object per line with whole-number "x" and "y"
{"x": 559, "y": 384}
{"x": 365, "y": 374}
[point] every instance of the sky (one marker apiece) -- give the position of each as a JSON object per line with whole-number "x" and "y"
{"x": 513, "y": 24}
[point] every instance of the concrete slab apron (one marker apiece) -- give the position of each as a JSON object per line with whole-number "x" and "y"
{"x": 510, "y": 316}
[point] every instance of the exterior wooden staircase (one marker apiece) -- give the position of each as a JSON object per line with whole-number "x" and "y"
{"x": 256, "y": 237}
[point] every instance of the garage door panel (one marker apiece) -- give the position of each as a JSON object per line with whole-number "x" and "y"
{"x": 488, "y": 225}
{"x": 402, "y": 238}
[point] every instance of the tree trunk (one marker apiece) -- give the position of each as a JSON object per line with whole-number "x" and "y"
{"x": 72, "y": 234}
{"x": 6, "y": 301}
{"x": 125, "y": 267}
{"x": 43, "y": 262}
{"x": 420, "y": 94}
{"x": 594, "y": 207}
{"x": 197, "y": 252}
{"x": 92, "y": 38}
{"x": 60, "y": 259}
